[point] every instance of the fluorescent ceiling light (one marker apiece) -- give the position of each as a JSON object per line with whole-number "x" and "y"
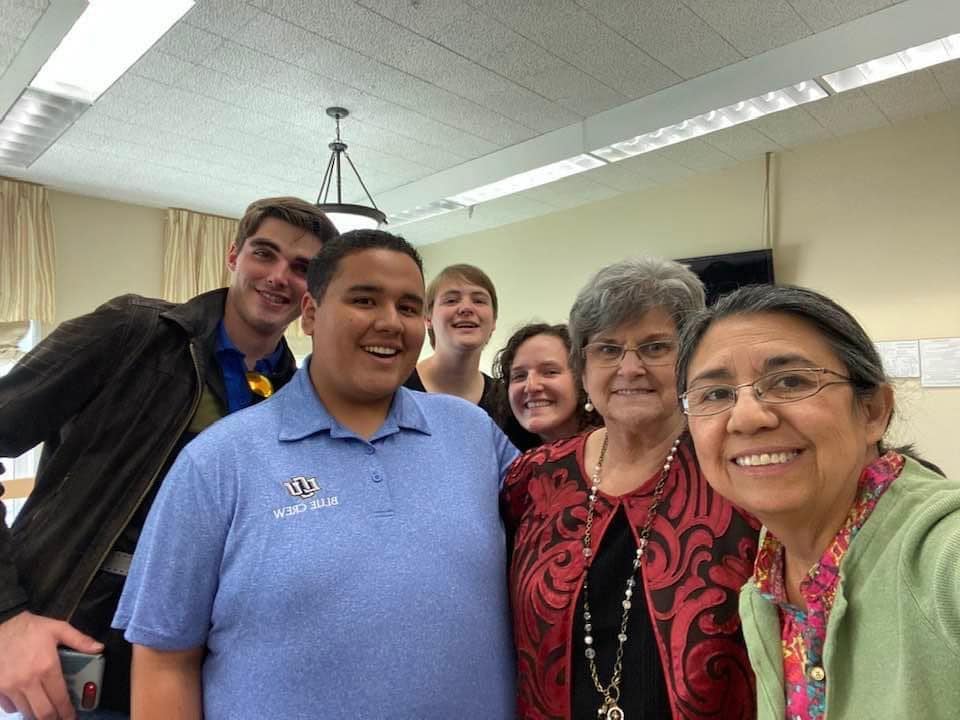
{"x": 899, "y": 63}
{"x": 714, "y": 120}
{"x": 422, "y": 212}
{"x": 109, "y": 37}
{"x": 526, "y": 180}
{"x": 33, "y": 124}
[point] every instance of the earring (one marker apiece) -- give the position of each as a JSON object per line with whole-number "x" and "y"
{"x": 588, "y": 406}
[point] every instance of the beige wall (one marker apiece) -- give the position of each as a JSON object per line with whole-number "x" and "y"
{"x": 871, "y": 219}
{"x": 103, "y": 249}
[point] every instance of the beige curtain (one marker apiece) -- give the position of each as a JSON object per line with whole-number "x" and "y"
{"x": 26, "y": 253}
{"x": 195, "y": 253}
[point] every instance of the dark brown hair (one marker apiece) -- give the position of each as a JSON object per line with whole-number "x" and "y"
{"x": 503, "y": 364}
{"x": 294, "y": 211}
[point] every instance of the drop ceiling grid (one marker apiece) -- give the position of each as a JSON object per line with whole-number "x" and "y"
{"x": 668, "y": 31}
{"x": 352, "y": 69}
{"x": 908, "y": 96}
{"x": 205, "y": 114}
{"x": 412, "y": 57}
{"x": 823, "y": 14}
{"x": 752, "y": 26}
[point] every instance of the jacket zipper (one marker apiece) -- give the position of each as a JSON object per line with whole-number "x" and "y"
{"x": 163, "y": 460}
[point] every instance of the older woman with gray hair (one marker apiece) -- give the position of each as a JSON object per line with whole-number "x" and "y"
{"x": 853, "y": 608}
{"x": 626, "y": 565}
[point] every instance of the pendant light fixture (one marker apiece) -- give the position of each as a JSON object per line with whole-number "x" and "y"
{"x": 345, "y": 216}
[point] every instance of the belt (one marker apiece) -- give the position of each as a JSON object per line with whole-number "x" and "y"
{"x": 117, "y": 563}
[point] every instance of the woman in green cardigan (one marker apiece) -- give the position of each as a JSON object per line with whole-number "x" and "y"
{"x": 853, "y": 610}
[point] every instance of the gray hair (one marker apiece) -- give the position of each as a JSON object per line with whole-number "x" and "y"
{"x": 624, "y": 291}
{"x": 841, "y": 331}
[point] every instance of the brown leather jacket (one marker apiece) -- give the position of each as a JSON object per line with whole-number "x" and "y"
{"x": 110, "y": 395}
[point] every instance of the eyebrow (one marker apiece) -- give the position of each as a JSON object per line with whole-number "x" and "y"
{"x": 378, "y": 289}
{"x": 269, "y": 244}
{"x": 771, "y": 364}
{"x": 652, "y": 337}
{"x": 263, "y": 242}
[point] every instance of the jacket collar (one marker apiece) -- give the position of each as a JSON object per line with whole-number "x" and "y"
{"x": 303, "y": 413}
{"x": 200, "y": 315}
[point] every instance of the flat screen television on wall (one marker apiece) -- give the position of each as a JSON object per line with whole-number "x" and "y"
{"x": 723, "y": 273}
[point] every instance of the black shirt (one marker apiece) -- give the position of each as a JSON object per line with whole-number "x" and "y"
{"x": 521, "y": 438}
{"x": 643, "y": 689}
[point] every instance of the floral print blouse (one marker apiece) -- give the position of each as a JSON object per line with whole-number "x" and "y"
{"x": 803, "y": 633}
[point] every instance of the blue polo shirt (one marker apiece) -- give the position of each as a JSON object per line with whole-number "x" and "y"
{"x": 330, "y": 576}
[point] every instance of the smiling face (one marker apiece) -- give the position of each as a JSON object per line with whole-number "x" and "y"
{"x": 269, "y": 279}
{"x": 541, "y": 388}
{"x": 632, "y": 394}
{"x": 795, "y": 463}
{"x": 462, "y": 317}
{"x": 367, "y": 329}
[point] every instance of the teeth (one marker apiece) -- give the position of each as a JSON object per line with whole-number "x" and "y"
{"x": 629, "y": 392}
{"x": 766, "y": 459}
{"x": 279, "y": 299}
{"x": 538, "y": 403}
{"x": 379, "y": 350}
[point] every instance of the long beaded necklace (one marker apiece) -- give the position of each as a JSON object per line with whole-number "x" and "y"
{"x": 610, "y": 709}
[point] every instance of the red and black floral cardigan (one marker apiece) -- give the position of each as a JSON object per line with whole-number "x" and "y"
{"x": 700, "y": 553}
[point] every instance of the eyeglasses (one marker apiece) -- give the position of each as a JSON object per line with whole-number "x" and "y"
{"x": 776, "y": 388}
{"x": 259, "y": 384}
{"x": 658, "y": 352}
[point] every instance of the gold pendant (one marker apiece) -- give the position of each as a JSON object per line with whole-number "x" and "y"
{"x": 614, "y": 712}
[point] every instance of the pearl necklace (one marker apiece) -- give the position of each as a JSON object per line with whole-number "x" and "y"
{"x": 610, "y": 709}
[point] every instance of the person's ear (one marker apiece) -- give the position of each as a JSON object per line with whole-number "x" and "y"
{"x": 877, "y": 411}
{"x": 308, "y": 313}
{"x": 232, "y": 254}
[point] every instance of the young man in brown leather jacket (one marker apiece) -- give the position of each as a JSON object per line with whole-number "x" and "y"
{"x": 113, "y": 396}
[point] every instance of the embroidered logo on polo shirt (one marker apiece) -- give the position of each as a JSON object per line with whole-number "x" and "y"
{"x": 304, "y": 489}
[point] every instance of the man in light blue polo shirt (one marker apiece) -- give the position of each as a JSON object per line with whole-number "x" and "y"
{"x": 336, "y": 551}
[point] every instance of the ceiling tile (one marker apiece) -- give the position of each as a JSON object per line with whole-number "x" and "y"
{"x": 278, "y": 38}
{"x": 189, "y": 43}
{"x": 224, "y": 17}
{"x": 623, "y": 66}
{"x": 576, "y": 91}
{"x": 656, "y": 167}
{"x": 948, "y": 77}
{"x": 17, "y": 20}
{"x": 847, "y": 112}
{"x": 823, "y": 14}
{"x": 752, "y": 26}
{"x": 791, "y": 128}
{"x": 621, "y": 176}
{"x": 667, "y": 31}
{"x": 9, "y": 47}
{"x": 571, "y": 191}
{"x": 908, "y": 96}
{"x": 133, "y": 90}
{"x": 741, "y": 142}
{"x": 379, "y": 38}
{"x": 696, "y": 155}
{"x": 81, "y": 138}
{"x": 164, "y": 68}
{"x": 243, "y": 63}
